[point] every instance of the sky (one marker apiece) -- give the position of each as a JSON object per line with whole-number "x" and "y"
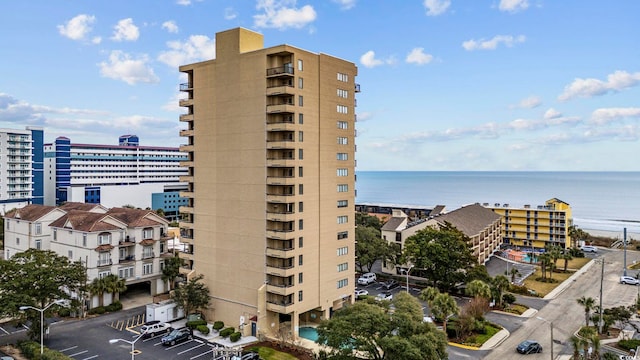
{"x": 446, "y": 85}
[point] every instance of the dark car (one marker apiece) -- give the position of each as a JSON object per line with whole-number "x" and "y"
{"x": 529, "y": 347}
{"x": 177, "y": 336}
{"x": 390, "y": 284}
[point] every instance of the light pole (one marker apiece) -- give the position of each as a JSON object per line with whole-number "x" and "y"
{"x": 132, "y": 343}
{"x": 550, "y": 332}
{"x": 62, "y": 302}
{"x": 406, "y": 271}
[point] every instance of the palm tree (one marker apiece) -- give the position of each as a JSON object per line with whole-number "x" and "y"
{"x": 98, "y": 287}
{"x": 545, "y": 262}
{"x": 596, "y": 345}
{"x": 513, "y": 272}
{"x": 566, "y": 257}
{"x": 500, "y": 284}
{"x": 478, "y": 289}
{"x": 428, "y": 294}
{"x": 443, "y": 307}
{"x": 588, "y": 304}
{"x": 576, "y": 344}
{"x": 171, "y": 270}
{"x": 115, "y": 285}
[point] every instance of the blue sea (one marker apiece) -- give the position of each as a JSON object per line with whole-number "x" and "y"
{"x": 608, "y": 201}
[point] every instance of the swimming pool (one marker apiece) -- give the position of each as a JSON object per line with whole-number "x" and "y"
{"x": 309, "y": 333}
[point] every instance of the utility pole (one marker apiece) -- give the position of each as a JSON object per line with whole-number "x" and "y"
{"x": 601, "y": 279}
{"x": 624, "y": 241}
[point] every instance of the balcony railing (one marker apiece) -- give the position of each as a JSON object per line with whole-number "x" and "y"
{"x": 185, "y": 86}
{"x": 104, "y": 262}
{"x": 128, "y": 258}
{"x": 285, "y": 69}
{"x": 148, "y": 255}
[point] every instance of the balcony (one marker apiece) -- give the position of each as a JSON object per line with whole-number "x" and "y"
{"x": 279, "y": 198}
{"x": 186, "y": 209}
{"x": 128, "y": 258}
{"x": 186, "y": 86}
{"x": 281, "y": 289}
{"x": 281, "y": 162}
{"x": 281, "y": 253}
{"x": 186, "y": 164}
{"x": 357, "y": 88}
{"x": 185, "y": 117}
{"x": 185, "y": 103}
{"x": 280, "y": 180}
{"x": 186, "y": 148}
{"x": 148, "y": 255}
{"x": 285, "y": 70}
{"x": 104, "y": 262}
{"x": 281, "y": 144}
{"x": 281, "y": 108}
{"x": 281, "y": 127}
{"x": 280, "y": 216}
{"x": 186, "y": 132}
{"x": 185, "y": 224}
{"x": 127, "y": 241}
{"x": 283, "y": 306}
{"x": 280, "y": 90}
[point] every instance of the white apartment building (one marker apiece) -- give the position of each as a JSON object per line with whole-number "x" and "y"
{"x": 28, "y": 227}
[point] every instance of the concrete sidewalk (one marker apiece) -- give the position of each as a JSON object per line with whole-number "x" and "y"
{"x": 565, "y": 284}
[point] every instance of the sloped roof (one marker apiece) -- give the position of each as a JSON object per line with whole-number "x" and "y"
{"x": 470, "y": 219}
{"x": 393, "y": 223}
{"x": 31, "y": 212}
{"x": 437, "y": 210}
{"x": 84, "y": 221}
{"x": 135, "y": 217}
{"x": 81, "y": 206}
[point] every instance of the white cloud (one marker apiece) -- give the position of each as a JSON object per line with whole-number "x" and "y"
{"x": 282, "y": 14}
{"x": 185, "y": 2}
{"x": 530, "y": 102}
{"x": 170, "y": 26}
{"x": 78, "y": 27}
{"x": 369, "y": 60}
{"x": 618, "y": 80}
{"x": 419, "y": 57}
{"x": 126, "y": 30}
{"x": 196, "y": 48}
{"x": 436, "y": 7}
{"x": 346, "y": 4}
{"x": 608, "y": 115}
{"x": 230, "y": 13}
{"x": 493, "y": 43}
{"x": 513, "y": 6}
{"x": 96, "y": 40}
{"x": 132, "y": 71}
{"x": 552, "y": 113}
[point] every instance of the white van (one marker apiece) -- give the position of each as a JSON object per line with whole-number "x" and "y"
{"x": 367, "y": 278}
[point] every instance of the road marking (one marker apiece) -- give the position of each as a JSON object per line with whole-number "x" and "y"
{"x": 203, "y": 354}
{"x": 91, "y": 357}
{"x": 193, "y": 348}
{"x": 81, "y": 352}
{"x": 67, "y": 349}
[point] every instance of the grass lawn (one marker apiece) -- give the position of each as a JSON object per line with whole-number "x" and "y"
{"x": 271, "y": 354}
{"x": 516, "y": 309}
{"x": 479, "y": 339}
{"x": 544, "y": 288}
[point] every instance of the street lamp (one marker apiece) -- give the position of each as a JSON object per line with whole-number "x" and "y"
{"x": 406, "y": 271}
{"x": 550, "y": 332}
{"x": 62, "y": 302}
{"x": 132, "y": 343}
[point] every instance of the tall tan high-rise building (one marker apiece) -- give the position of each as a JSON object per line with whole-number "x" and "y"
{"x": 270, "y": 223}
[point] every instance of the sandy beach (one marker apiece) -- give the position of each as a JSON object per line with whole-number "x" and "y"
{"x": 614, "y": 234}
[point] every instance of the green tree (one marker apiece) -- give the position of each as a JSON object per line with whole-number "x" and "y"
{"x": 370, "y": 247}
{"x": 192, "y": 296}
{"x": 499, "y": 285}
{"x": 428, "y": 294}
{"x": 576, "y": 234}
{"x": 171, "y": 270}
{"x": 374, "y": 332}
{"x": 478, "y": 272}
{"x": 545, "y": 264}
{"x": 566, "y": 256}
{"x": 98, "y": 287}
{"x": 442, "y": 255}
{"x": 443, "y": 307}
{"x": 115, "y": 285}
{"x": 588, "y": 303}
{"x": 366, "y": 220}
{"x": 576, "y": 344}
{"x": 478, "y": 289}
{"x": 36, "y": 278}
{"x": 513, "y": 273}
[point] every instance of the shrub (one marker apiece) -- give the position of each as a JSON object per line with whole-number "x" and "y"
{"x": 227, "y": 331}
{"x": 114, "y": 306}
{"x": 508, "y": 298}
{"x": 31, "y": 350}
{"x": 97, "y": 310}
{"x": 629, "y": 344}
{"x": 64, "y": 312}
{"x": 235, "y": 336}
{"x": 218, "y": 325}
{"x": 195, "y": 323}
{"x": 204, "y": 329}
{"x": 519, "y": 289}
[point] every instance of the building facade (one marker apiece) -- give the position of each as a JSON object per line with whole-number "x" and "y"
{"x": 271, "y": 171}
{"x": 535, "y": 227}
{"x": 112, "y": 175}
{"x": 21, "y": 163}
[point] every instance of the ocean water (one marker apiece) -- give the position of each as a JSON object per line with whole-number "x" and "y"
{"x": 607, "y": 201}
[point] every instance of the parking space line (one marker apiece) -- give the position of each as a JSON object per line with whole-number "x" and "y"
{"x": 1, "y": 328}
{"x": 178, "y": 344}
{"x": 193, "y": 348}
{"x": 91, "y": 357}
{"x": 79, "y": 353}
{"x": 67, "y": 349}
{"x": 203, "y": 354}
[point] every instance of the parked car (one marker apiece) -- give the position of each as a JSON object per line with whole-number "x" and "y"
{"x": 247, "y": 356}
{"x": 629, "y": 280}
{"x": 153, "y": 328}
{"x": 177, "y": 336}
{"x": 390, "y": 284}
{"x": 529, "y": 347}
{"x": 589, "y": 248}
{"x": 367, "y": 278}
{"x": 361, "y": 292}
{"x": 384, "y": 296}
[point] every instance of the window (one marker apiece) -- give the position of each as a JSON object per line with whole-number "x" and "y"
{"x": 300, "y": 224}
{"x": 39, "y": 244}
{"x": 38, "y": 228}
{"x": 103, "y": 274}
{"x": 343, "y": 251}
{"x": 17, "y": 241}
{"x": 299, "y": 64}
{"x": 343, "y": 219}
{"x": 343, "y": 267}
{"x": 343, "y": 125}
{"x": 299, "y": 278}
{"x": 300, "y": 260}
{"x": 84, "y": 240}
{"x": 300, "y": 100}
{"x": 55, "y": 234}
{"x": 300, "y": 136}
{"x": 300, "y": 241}
{"x": 342, "y": 109}
{"x": 300, "y": 189}
{"x": 343, "y": 203}
{"x": 300, "y": 295}
{"x": 70, "y": 254}
{"x": 343, "y": 77}
{"x": 342, "y": 156}
{"x": 300, "y": 154}
{"x": 343, "y": 93}
{"x": 342, "y": 283}
{"x": 161, "y": 265}
{"x": 300, "y": 172}
{"x": 342, "y": 172}
{"x": 343, "y": 235}
{"x": 300, "y": 206}
{"x": 147, "y": 252}
{"x": 104, "y": 238}
{"x": 7, "y": 223}
{"x": 147, "y": 234}
{"x": 343, "y": 188}
{"x": 300, "y": 83}
{"x": 147, "y": 269}
{"x": 342, "y": 140}
{"x": 300, "y": 118}
{"x": 126, "y": 273}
